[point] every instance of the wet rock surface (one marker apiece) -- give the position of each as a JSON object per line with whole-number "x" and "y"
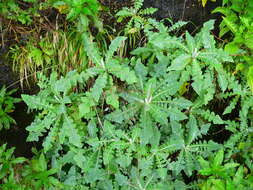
{"x": 7, "y": 77}
{"x": 188, "y": 10}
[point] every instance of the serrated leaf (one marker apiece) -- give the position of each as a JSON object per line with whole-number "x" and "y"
{"x": 91, "y": 50}
{"x": 218, "y": 159}
{"x": 39, "y": 165}
{"x": 112, "y": 98}
{"x": 182, "y": 103}
{"x": 80, "y": 159}
{"x": 193, "y": 129}
{"x": 190, "y": 42}
{"x": 92, "y": 128}
{"x": 223, "y": 82}
{"x": 98, "y": 87}
{"x": 230, "y": 24}
{"x": 115, "y": 44}
{"x": 176, "y": 115}
{"x": 123, "y": 72}
{"x": 180, "y": 62}
{"x": 36, "y": 102}
{"x": 69, "y": 130}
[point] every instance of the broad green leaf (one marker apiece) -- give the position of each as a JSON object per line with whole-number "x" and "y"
{"x": 92, "y": 128}
{"x": 147, "y": 129}
{"x": 86, "y": 106}
{"x": 39, "y": 165}
{"x": 115, "y": 44}
{"x": 180, "y": 62}
{"x": 123, "y": 72}
{"x": 98, "y": 87}
{"x": 218, "y": 184}
{"x": 112, "y": 98}
{"x": 92, "y": 50}
{"x": 69, "y": 130}
{"x": 19, "y": 160}
{"x": 80, "y": 159}
{"x": 50, "y": 139}
{"x": 182, "y": 103}
{"x": 218, "y": 159}
{"x": 121, "y": 179}
{"x": 204, "y": 164}
{"x": 231, "y": 165}
{"x": 36, "y": 102}
{"x": 232, "y": 48}
{"x": 176, "y": 115}
{"x": 223, "y": 82}
{"x": 198, "y": 84}
{"x": 193, "y": 130}
{"x": 230, "y": 24}
{"x": 190, "y": 42}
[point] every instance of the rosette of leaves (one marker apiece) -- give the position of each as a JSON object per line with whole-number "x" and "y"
{"x": 196, "y": 59}
{"x": 67, "y": 116}
{"x": 56, "y": 95}
{"x": 154, "y": 105}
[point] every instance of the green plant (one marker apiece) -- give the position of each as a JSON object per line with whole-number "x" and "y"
{"x": 9, "y": 179}
{"x": 131, "y": 124}
{"x": 6, "y": 107}
{"x": 136, "y": 16}
{"x": 19, "y": 173}
{"x": 11, "y": 9}
{"x": 83, "y": 10}
{"x": 237, "y": 21}
{"x": 36, "y": 174}
{"x": 221, "y": 176}
{"x": 136, "y": 19}
{"x": 45, "y": 54}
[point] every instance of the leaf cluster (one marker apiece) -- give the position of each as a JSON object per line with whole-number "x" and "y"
{"x": 19, "y": 173}
{"x": 6, "y": 107}
{"x": 237, "y": 21}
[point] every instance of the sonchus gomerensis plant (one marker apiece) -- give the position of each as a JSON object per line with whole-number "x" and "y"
{"x": 138, "y": 123}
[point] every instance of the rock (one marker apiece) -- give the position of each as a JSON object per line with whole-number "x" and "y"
{"x": 7, "y": 76}
{"x": 187, "y": 10}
